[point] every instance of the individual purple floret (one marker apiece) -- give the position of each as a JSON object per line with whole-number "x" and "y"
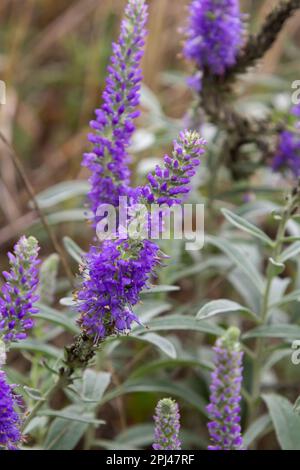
{"x": 214, "y": 34}
{"x": 10, "y": 434}
{"x": 114, "y": 123}
{"x": 225, "y": 394}
{"x": 167, "y": 425}
{"x": 288, "y": 151}
{"x": 172, "y": 181}
{"x": 17, "y": 294}
{"x": 114, "y": 277}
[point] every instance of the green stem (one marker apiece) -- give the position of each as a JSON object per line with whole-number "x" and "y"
{"x": 259, "y": 347}
{"x": 77, "y": 356}
{"x": 59, "y": 384}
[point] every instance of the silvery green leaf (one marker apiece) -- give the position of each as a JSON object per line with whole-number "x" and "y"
{"x": 257, "y": 429}
{"x": 73, "y": 249}
{"x": 285, "y": 420}
{"x": 284, "y": 331}
{"x": 57, "y": 317}
{"x": 160, "y": 342}
{"x": 61, "y": 192}
{"x": 246, "y": 226}
{"x": 290, "y": 252}
{"x": 216, "y": 307}
{"x": 240, "y": 259}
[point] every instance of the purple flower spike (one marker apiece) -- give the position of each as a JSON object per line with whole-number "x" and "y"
{"x": 214, "y": 34}
{"x": 167, "y": 425}
{"x": 288, "y": 151}
{"x": 114, "y": 277}
{"x": 17, "y": 295}
{"x": 10, "y": 435}
{"x": 114, "y": 122}
{"x": 171, "y": 182}
{"x": 225, "y": 394}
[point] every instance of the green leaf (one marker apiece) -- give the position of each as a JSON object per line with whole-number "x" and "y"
{"x": 35, "y": 346}
{"x": 290, "y": 252}
{"x": 276, "y": 356}
{"x": 61, "y": 192}
{"x": 70, "y": 215}
{"x": 37, "y": 423}
{"x": 216, "y": 262}
{"x": 70, "y": 415}
{"x": 297, "y": 406}
{"x": 286, "y": 299}
{"x": 67, "y": 302}
{"x": 160, "y": 289}
{"x": 33, "y": 393}
{"x": 57, "y": 318}
{"x": 158, "y": 386}
{"x": 274, "y": 268}
{"x": 274, "y": 331}
{"x": 286, "y": 422}
{"x": 181, "y": 322}
{"x": 257, "y": 429}
{"x": 246, "y": 226}
{"x": 64, "y": 434}
{"x": 239, "y": 259}
{"x": 73, "y": 249}
{"x": 160, "y": 342}
{"x": 246, "y": 290}
{"x": 215, "y": 307}
{"x": 139, "y": 435}
{"x": 150, "y": 309}
{"x": 91, "y": 387}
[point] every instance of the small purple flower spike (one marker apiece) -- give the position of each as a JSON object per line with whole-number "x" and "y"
{"x": 172, "y": 181}
{"x": 17, "y": 295}
{"x": 114, "y": 123}
{"x": 225, "y": 394}
{"x": 10, "y": 422}
{"x": 167, "y": 425}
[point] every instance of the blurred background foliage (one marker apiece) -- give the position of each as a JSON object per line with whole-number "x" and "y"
{"x": 53, "y": 58}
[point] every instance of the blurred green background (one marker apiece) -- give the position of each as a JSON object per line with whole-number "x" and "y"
{"x": 53, "y": 57}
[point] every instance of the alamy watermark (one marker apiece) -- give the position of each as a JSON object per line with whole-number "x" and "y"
{"x": 153, "y": 222}
{"x": 296, "y": 352}
{"x": 296, "y": 94}
{"x": 2, "y": 92}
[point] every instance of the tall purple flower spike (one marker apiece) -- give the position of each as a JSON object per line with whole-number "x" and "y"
{"x": 116, "y": 272}
{"x": 225, "y": 394}
{"x": 10, "y": 422}
{"x": 17, "y": 295}
{"x": 167, "y": 425}
{"x": 114, "y": 123}
{"x": 288, "y": 151}
{"x": 214, "y": 35}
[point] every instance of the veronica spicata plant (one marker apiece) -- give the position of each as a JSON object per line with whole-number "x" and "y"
{"x": 127, "y": 323}
{"x": 116, "y": 272}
